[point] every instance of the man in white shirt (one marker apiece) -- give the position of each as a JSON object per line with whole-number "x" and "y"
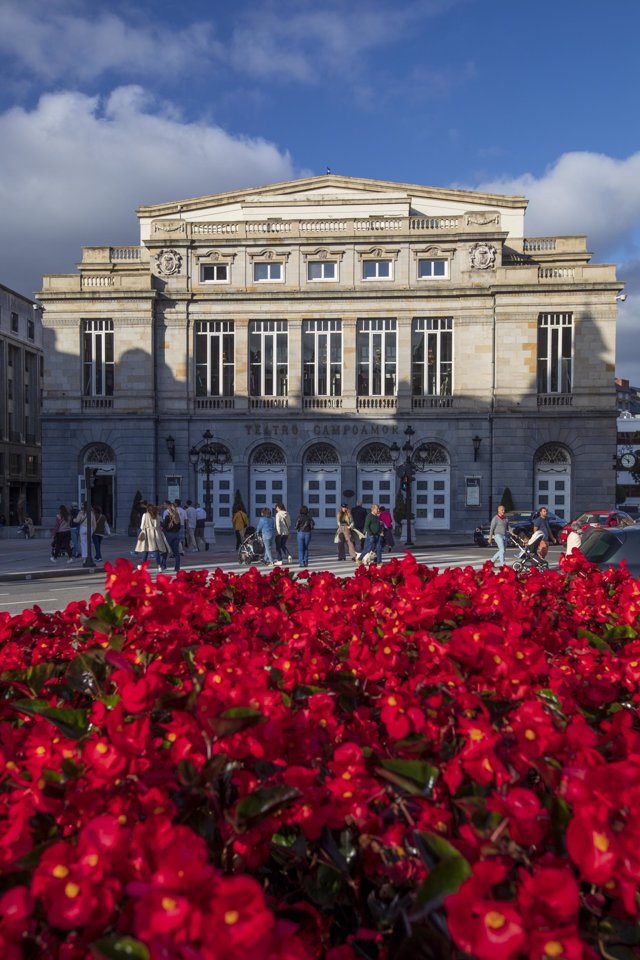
{"x": 201, "y": 516}
{"x": 191, "y": 527}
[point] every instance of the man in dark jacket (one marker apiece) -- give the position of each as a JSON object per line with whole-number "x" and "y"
{"x": 359, "y": 515}
{"x": 373, "y": 535}
{"x": 542, "y": 523}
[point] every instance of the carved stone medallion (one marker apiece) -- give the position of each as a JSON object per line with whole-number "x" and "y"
{"x": 482, "y": 256}
{"x": 168, "y": 262}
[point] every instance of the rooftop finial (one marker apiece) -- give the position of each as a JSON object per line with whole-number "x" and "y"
{"x": 328, "y": 170}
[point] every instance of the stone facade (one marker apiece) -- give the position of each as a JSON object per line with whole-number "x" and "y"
{"x": 20, "y": 390}
{"x": 306, "y": 326}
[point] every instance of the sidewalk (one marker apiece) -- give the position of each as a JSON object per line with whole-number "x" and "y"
{"x": 29, "y": 559}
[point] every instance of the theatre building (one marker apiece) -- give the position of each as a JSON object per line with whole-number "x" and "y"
{"x": 280, "y": 341}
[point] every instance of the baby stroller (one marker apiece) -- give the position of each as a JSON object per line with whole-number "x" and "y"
{"x": 527, "y": 557}
{"x": 27, "y": 530}
{"x": 251, "y": 550}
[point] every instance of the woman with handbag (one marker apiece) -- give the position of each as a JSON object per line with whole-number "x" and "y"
{"x": 343, "y": 534}
{"x": 151, "y": 539}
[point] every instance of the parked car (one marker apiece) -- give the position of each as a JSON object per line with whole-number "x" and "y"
{"x": 521, "y": 523}
{"x": 598, "y": 518}
{"x": 609, "y": 546}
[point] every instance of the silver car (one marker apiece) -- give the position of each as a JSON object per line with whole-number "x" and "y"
{"x": 608, "y": 547}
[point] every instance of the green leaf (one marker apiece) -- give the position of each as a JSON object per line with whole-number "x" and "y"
{"x": 86, "y": 672}
{"x": 445, "y": 878}
{"x": 119, "y": 948}
{"x": 33, "y": 677}
{"x": 73, "y": 723}
{"x": 437, "y": 845}
{"x": 234, "y": 720}
{"x": 261, "y": 803}
{"x": 594, "y": 640}
{"x": 414, "y": 772}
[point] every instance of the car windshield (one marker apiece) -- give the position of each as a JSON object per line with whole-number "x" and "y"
{"x": 598, "y": 546}
{"x": 593, "y": 517}
{"x": 516, "y": 516}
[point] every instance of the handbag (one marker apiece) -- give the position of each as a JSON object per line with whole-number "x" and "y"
{"x": 336, "y": 539}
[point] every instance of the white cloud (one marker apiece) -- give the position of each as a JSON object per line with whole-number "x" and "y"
{"x": 596, "y": 195}
{"x": 74, "y": 169}
{"x": 53, "y": 42}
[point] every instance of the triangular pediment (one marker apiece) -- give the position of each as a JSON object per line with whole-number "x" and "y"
{"x": 329, "y": 190}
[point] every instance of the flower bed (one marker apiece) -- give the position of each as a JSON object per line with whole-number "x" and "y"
{"x": 405, "y": 764}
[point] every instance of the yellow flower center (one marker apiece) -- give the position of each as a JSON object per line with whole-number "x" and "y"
{"x": 72, "y": 890}
{"x": 495, "y": 920}
{"x": 476, "y": 734}
{"x": 231, "y": 917}
{"x": 168, "y": 904}
{"x": 392, "y": 701}
{"x": 553, "y": 948}
{"x": 529, "y": 734}
{"x": 60, "y": 871}
{"x": 387, "y": 650}
{"x": 102, "y": 748}
{"x": 600, "y": 842}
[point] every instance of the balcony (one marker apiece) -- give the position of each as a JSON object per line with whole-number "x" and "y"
{"x": 97, "y": 403}
{"x": 268, "y": 403}
{"x": 377, "y": 403}
{"x": 214, "y": 403}
{"x": 431, "y": 403}
{"x": 322, "y": 403}
{"x": 555, "y": 400}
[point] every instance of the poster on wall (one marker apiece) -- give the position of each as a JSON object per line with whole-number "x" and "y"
{"x": 173, "y": 488}
{"x": 473, "y": 491}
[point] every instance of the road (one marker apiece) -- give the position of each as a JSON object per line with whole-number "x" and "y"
{"x": 55, "y": 593}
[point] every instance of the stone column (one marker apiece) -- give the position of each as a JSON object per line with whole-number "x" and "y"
{"x": 295, "y": 363}
{"x": 241, "y": 329}
{"x": 349, "y": 393}
{"x": 403, "y": 364}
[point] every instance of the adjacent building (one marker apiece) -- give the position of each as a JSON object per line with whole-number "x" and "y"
{"x": 20, "y": 395}
{"x": 291, "y": 337}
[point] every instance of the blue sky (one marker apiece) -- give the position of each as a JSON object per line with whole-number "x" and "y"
{"x": 104, "y": 108}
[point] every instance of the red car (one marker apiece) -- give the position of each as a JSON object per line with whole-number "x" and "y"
{"x": 598, "y": 518}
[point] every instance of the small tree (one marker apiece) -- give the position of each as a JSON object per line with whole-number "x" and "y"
{"x": 238, "y": 503}
{"x": 621, "y": 494}
{"x": 134, "y": 516}
{"x": 507, "y": 500}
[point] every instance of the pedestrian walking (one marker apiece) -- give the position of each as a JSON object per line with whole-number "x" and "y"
{"x": 574, "y": 540}
{"x": 81, "y": 519}
{"x": 359, "y": 515}
{"x": 61, "y": 535}
{"x": 201, "y": 516}
{"x": 240, "y": 522}
{"x": 190, "y": 538}
{"x": 304, "y": 528}
{"x": 172, "y": 533}
{"x": 267, "y": 530}
{"x": 101, "y": 529}
{"x": 151, "y": 539}
{"x": 373, "y": 535}
{"x": 283, "y": 526}
{"x": 343, "y": 535}
{"x": 542, "y": 523}
{"x": 388, "y": 540}
{"x": 498, "y": 532}
{"x": 75, "y": 530}
{"x": 183, "y": 523}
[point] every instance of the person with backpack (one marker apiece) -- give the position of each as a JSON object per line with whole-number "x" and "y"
{"x": 100, "y": 529}
{"x": 304, "y": 528}
{"x": 283, "y": 526}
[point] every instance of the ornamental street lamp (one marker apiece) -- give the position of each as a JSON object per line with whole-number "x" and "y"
{"x": 413, "y": 461}
{"x": 207, "y": 457}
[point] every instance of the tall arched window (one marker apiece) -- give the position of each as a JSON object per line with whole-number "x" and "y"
{"x": 321, "y": 484}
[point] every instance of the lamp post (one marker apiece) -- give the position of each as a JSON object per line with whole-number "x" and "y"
{"x": 207, "y": 457}
{"x": 412, "y": 462}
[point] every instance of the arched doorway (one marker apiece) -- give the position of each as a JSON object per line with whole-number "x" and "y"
{"x": 432, "y": 496}
{"x": 267, "y": 480}
{"x": 376, "y": 476}
{"x": 101, "y": 460}
{"x": 552, "y": 484}
{"x": 321, "y": 484}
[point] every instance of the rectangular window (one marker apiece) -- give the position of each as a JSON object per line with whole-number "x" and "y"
{"x": 214, "y": 352}
{"x": 214, "y": 273}
{"x": 376, "y": 357}
{"x": 430, "y": 269}
{"x": 432, "y": 356}
{"x": 268, "y": 358}
{"x": 322, "y": 270}
{"x": 322, "y": 358}
{"x": 31, "y": 330}
{"x": 97, "y": 358}
{"x": 32, "y": 466}
{"x": 267, "y": 271}
{"x": 376, "y": 269}
{"x": 14, "y": 322}
{"x": 555, "y": 352}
